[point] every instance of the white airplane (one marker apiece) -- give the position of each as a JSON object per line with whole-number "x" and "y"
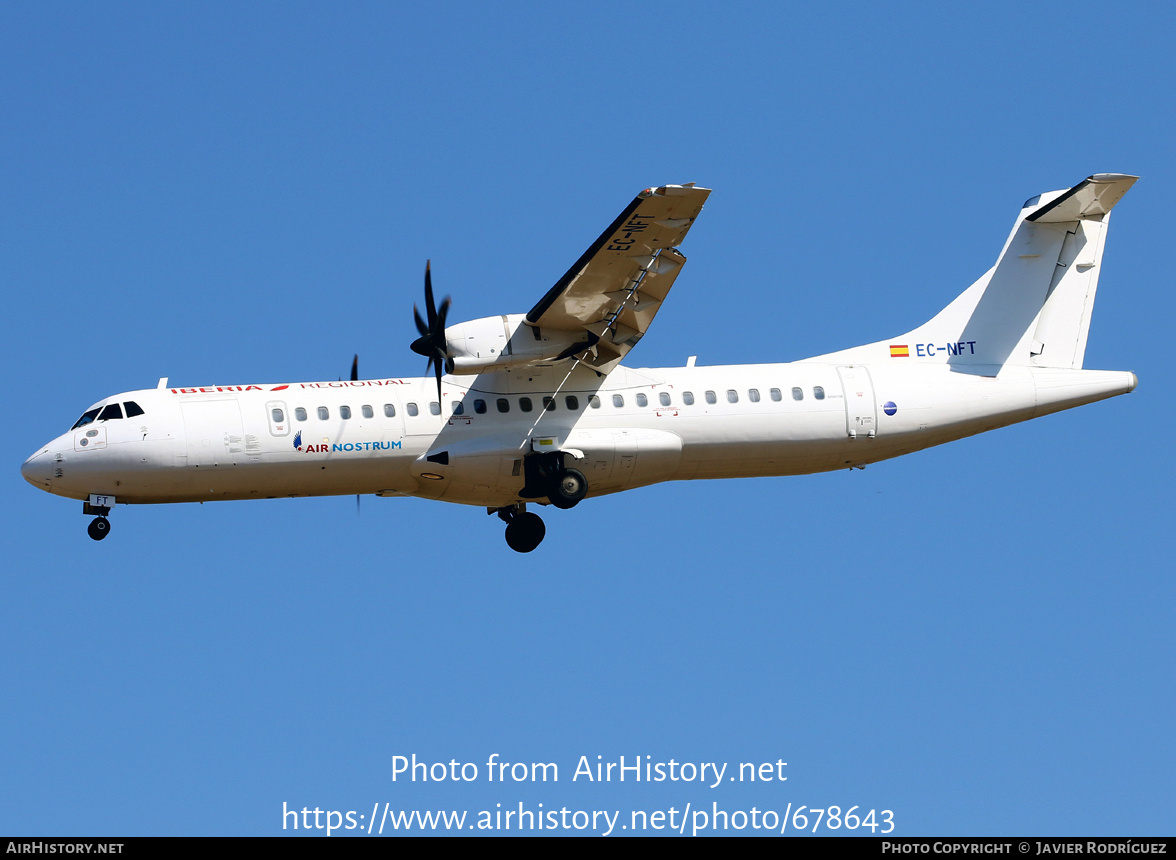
{"x": 536, "y": 409}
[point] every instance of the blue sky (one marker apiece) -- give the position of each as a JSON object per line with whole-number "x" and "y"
{"x": 977, "y": 637}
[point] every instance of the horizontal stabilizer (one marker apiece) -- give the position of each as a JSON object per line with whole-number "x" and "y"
{"x": 1092, "y": 197}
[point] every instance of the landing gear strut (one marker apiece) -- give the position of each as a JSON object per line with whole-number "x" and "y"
{"x": 524, "y": 530}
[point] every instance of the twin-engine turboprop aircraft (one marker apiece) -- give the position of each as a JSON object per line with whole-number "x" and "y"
{"x": 535, "y": 408}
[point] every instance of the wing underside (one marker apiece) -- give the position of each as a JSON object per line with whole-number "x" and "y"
{"x": 612, "y": 293}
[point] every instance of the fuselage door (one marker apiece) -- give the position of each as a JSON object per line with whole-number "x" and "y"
{"x": 861, "y": 412}
{"x": 213, "y": 431}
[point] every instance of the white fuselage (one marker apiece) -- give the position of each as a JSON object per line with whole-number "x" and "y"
{"x": 629, "y": 429}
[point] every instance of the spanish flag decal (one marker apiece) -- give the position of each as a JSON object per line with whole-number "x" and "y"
{"x": 899, "y": 351}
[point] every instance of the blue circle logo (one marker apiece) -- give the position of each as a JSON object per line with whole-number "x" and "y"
{"x": 889, "y": 408}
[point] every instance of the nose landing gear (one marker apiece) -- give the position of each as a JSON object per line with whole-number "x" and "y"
{"x": 99, "y": 528}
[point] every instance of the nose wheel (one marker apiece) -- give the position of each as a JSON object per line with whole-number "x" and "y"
{"x": 99, "y": 528}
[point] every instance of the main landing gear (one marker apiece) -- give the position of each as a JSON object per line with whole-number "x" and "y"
{"x": 524, "y": 530}
{"x": 546, "y": 476}
{"x": 567, "y": 489}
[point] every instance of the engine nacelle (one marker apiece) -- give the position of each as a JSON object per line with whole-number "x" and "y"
{"x": 496, "y": 343}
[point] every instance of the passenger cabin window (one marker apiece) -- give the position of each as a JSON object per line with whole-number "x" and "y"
{"x": 618, "y": 401}
{"x": 664, "y": 398}
{"x": 776, "y": 395}
{"x": 642, "y": 400}
{"x": 503, "y": 405}
{"x": 572, "y": 402}
{"x": 277, "y": 415}
{"x": 413, "y": 411}
{"x": 710, "y": 397}
{"x": 732, "y": 395}
{"x": 594, "y": 401}
{"x": 434, "y": 407}
{"x": 367, "y": 411}
{"x": 549, "y": 404}
{"x": 389, "y": 410}
{"x": 480, "y": 407}
{"x": 525, "y": 404}
{"x": 300, "y": 413}
{"x": 798, "y": 394}
{"x": 323, "y": 414}
{"x": 86, "y": 418}
{"x": 345, "y": 412}
{"x": 132, "y": 408}
{"x": 111, "y": 411}
{"x": 688, "y": 398}
{"x": 819, "y": 393}
{"x": 753, "y": 395}
{"x": 458, "y": 409}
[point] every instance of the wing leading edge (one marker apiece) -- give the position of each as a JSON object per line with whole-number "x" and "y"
{"x": 617, "y": 286}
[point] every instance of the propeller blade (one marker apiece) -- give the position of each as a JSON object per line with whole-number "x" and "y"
{"x": 429, "y": 306}
{"x": 355, "y": 368}
{"x": 431, "y": 344}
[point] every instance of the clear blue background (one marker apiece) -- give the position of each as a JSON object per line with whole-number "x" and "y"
{"x": 978, "y": 637}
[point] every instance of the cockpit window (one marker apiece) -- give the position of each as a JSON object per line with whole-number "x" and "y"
{"x": 132, "y": 408}
{"x": 111, "y": 411}
{"x": 86, "y": 418}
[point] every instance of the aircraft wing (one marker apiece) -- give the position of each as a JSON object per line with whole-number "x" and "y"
{"x": 617, "y": 286}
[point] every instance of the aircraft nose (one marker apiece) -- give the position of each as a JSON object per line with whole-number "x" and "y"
{"x": 37, "y": 469}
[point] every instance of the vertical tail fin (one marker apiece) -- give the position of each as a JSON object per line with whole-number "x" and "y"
{"x": 1033, "y": 307}
{"x": 1059, "y": 340}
